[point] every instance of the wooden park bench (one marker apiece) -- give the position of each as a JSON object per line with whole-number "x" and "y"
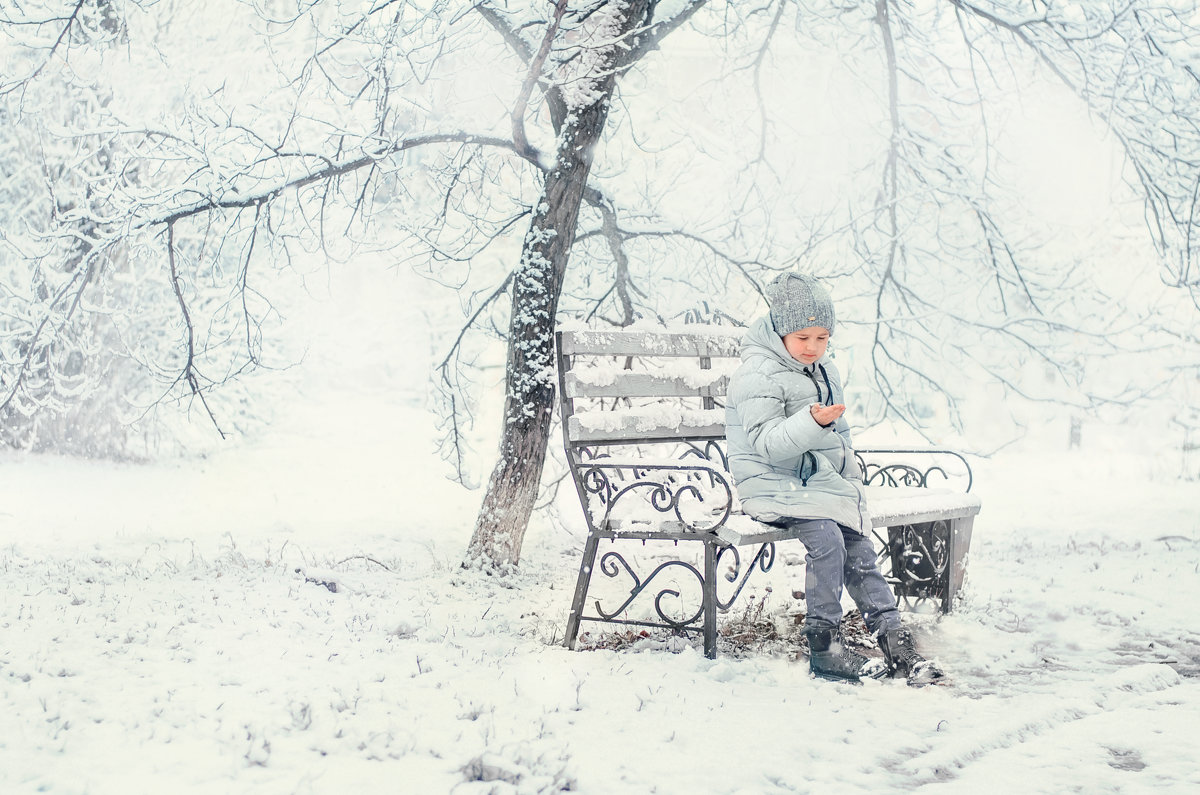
{"x": 643, "y": 421}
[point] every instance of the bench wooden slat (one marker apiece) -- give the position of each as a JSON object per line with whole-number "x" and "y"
{"x": 749, "y": 532}
{"x": 644, "y": 385}
{"x": 666, "y": 530}
{"x": 649, "y": 343}
{"x": 674, "y": 433}
{"x": 632, "y": 428}
{"x": 690, "y": 463}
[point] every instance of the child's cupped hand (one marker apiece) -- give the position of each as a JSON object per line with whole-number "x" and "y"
{"x": 825, "y": 415}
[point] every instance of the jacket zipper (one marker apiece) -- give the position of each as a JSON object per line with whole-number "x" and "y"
{"x": 845, "y": 454}
{"x": 821, "y": 399}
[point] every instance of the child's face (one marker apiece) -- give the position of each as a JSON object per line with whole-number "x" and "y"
{"x": 808, "y": 344}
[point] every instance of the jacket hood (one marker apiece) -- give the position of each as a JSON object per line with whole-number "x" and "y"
{"x": 761, "y": 340}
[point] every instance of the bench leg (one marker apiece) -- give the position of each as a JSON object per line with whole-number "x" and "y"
{"x": 919, "y": 558}
{"x": 709, "y": 597}
{"x": 958, "y": 543}
{"x": 581, "y": 589}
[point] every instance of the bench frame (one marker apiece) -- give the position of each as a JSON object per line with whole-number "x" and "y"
{"x": 923, "y": 542}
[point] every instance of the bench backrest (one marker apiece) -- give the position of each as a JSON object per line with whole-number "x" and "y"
{"x": 621, "y": 387}
{"x": 643, "y": 415}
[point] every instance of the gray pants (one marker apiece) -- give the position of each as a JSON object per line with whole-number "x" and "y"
{"x": 840, "y": 557}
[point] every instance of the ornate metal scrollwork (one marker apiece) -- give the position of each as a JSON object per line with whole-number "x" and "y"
{"x": 613, "y": 563}
{"x": 898, "y": 474}
{"x": 667, "y": 488}
{"x": 905, "y": 473}
{"x": 916, "y": 559}
{"x": 764, "y": 559}
{"x": 711, "y": 452}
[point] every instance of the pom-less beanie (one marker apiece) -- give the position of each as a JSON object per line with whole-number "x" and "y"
{"x": 798, "y": 301}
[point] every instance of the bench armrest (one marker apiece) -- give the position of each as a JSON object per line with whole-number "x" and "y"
{"x": 922, "y": 467}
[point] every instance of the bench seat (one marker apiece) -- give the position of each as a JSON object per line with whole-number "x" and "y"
{"x": 890, "y": 506}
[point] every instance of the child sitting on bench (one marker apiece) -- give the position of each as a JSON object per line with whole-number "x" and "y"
{"x": 791, "y": 456}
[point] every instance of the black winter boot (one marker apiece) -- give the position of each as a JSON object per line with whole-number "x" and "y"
{"x": 903, "y": 659}
{"x": 830, "y": 658}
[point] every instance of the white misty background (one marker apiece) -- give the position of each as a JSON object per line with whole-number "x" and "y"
{"x": 186, "y": 186}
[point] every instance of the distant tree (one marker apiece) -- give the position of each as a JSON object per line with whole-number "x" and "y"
{"x": 955, "y": 274}
{"x": 63, "y": 363}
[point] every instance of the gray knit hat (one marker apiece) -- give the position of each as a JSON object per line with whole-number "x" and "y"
{"x": 798, "y": 301}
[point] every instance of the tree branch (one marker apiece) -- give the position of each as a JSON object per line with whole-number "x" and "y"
{"x": 532, "y": 78}
{"x": 62, "y": 35}
{"x": 190, "y": 373}
{"x": 450, "y": 385}
{"x": 651, "y": 39}
{"x": 332, "y": 170}
{"x": 510, "y": 36}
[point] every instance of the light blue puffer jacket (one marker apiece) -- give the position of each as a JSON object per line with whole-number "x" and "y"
{"x": 786, "y": 465}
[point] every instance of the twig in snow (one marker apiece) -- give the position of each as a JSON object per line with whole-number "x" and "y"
{"x": 367, "y": 558}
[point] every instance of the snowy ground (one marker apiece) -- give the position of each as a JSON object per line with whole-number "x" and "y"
{"x": 157, "y": 636}
{"x": 163, "y": 628}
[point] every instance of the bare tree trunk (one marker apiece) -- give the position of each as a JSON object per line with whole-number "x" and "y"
{"x": 530, "y": 383}
{"x": 529, "y": 389}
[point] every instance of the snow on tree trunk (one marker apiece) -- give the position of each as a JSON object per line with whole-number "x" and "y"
{"x": 529, "y": 389}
